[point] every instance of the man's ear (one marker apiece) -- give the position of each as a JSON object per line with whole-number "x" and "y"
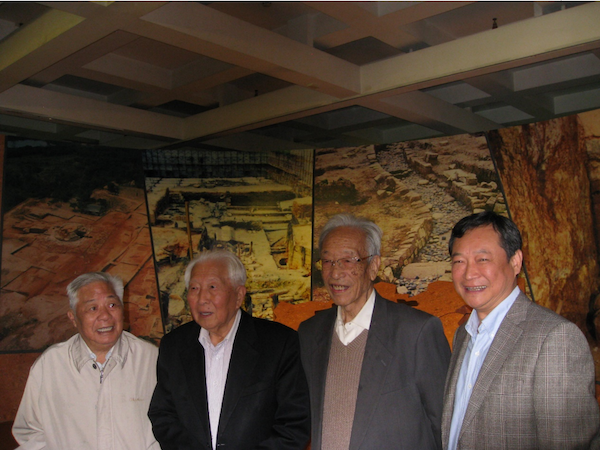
{"x": 374, "y": 267}
{"x": 516, "y": 261}
{"x": 71, "y": 317}
{"x": 241, "y": 295}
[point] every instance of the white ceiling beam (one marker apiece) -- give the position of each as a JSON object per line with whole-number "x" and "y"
{"x": 54, "y": 106}
{"x": 57, "y": 34}
{"x": 234, "y": 41}
{"x": 17, "y": 52}
{"x": 430, "y": 67}
{"x": 513, "y": 45}
{"x": 384, "y": 28}
{"x": 132, "y": 69}
{"x": 276, "y": 104}
{"x": 82, "y": 57}
{"x": 431, "y": 112}
{"x": 149, "y": 96}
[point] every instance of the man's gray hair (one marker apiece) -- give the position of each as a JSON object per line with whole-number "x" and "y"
{"x": 372, "y": 231}
{"x": 88, "y": 278}
{"x": 235, "y": 267}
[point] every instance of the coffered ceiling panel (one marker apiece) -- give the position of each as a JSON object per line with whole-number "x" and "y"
{"x": 256, "y": 75}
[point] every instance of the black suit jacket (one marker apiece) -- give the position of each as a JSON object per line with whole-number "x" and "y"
{"x": 265, "y": 403}
{"x": 401, "y": 387}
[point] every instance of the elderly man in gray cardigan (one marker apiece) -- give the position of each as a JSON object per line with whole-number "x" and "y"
{"x": 375, "y": 368}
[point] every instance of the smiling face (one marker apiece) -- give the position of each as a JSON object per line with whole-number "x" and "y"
{"x": 481, "y": 271}
{"x": 98, "y": 317}
{"x": 348, "y": 288}
{"x": 213, "y": 300}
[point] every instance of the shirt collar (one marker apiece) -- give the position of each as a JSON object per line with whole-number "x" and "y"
{"x": 204, "y": 337}
{"x": 363, "y": 318}
{"x": 492, "y": 321}
{"x": 81, "y": 354}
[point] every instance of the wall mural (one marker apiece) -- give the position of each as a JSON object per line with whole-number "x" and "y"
{"x": 70, "y": 210}
{"x": 257, "y": 205}
{"x": 415, "y": 191}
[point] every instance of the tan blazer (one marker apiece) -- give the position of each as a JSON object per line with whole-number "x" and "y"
{"x": 535, "y": 389}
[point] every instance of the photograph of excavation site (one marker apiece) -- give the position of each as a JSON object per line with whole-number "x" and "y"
{"x": 141, "y": 215}
{"x": 254, "y": 204}
{"x": 68, "y": 210}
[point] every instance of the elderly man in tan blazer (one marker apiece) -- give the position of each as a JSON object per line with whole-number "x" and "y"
{"x": 521, "y": 377}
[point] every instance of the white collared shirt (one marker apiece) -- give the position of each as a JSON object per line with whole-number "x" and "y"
{"x": 347, "y": 332}
{"x": 216, "y": 361}
{"x": 94, "y": 358}
{"x": 482, "y": 335}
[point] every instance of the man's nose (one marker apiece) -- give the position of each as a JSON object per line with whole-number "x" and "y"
{"x": 336, "y": 271}
{"x": 104, "y": 312}
{"x": 471, "y": 271}
{"x": 202, "y": 296}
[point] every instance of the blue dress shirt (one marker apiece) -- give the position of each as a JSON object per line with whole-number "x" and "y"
{"x": 482, "y": 335}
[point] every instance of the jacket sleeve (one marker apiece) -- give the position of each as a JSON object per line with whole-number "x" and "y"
{"x": 27, "y": 427}
{"x": 431, "y": 366}
{"x": 566, "y": 409}
{"x": 166, "y": 423}
{"x": 291, "y": 424}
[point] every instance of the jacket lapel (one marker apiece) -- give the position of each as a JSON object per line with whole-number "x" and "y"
{"x": 459, "y": 346}
{"x": 192, "y": 361}
{"x": 322, "y": 346}
{"x": 506, "y": 338}
{"x": 376, "y": 361}
{"x": 244, "y": 358}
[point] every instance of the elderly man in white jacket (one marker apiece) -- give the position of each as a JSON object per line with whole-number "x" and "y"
{"x": 92, "y": 391}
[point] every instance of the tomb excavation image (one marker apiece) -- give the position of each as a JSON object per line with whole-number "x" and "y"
{"x": 415, "y": 191}
{"x": 266, "y": 220}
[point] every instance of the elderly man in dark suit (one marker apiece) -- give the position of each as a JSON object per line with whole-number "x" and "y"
{"x": 521, "y": 377}
{"x": 227, "y": 380}
{"x": 375, "y": 368}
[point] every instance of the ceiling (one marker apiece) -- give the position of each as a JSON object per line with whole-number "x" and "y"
{"x": 286, "y": 75}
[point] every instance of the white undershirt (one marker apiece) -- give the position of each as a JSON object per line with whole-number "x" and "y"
{"x": 216, "y": 360}
{"x": 347, "y": 332}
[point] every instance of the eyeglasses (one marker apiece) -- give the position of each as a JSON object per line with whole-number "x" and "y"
{"x": 342, "y": 263}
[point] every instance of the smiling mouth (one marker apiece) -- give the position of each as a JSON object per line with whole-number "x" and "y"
{"x": 338, "y": 287}
{"x": 105, "y": 329}
{"x": 474, "y": 288}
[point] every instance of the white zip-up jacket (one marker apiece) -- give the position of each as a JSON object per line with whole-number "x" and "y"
{"x": 66, "y": 406}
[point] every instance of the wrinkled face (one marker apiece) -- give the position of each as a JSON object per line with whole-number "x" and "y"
{"x": 98, "y": 317}
{"x": 481, "y": 271}
{"x": 349, "y": 287}
{"x": 213, "y": 300}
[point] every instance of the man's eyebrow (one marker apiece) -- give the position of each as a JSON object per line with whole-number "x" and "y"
{"x": 95, "y": 299}
{"x": 478, "y": 252}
